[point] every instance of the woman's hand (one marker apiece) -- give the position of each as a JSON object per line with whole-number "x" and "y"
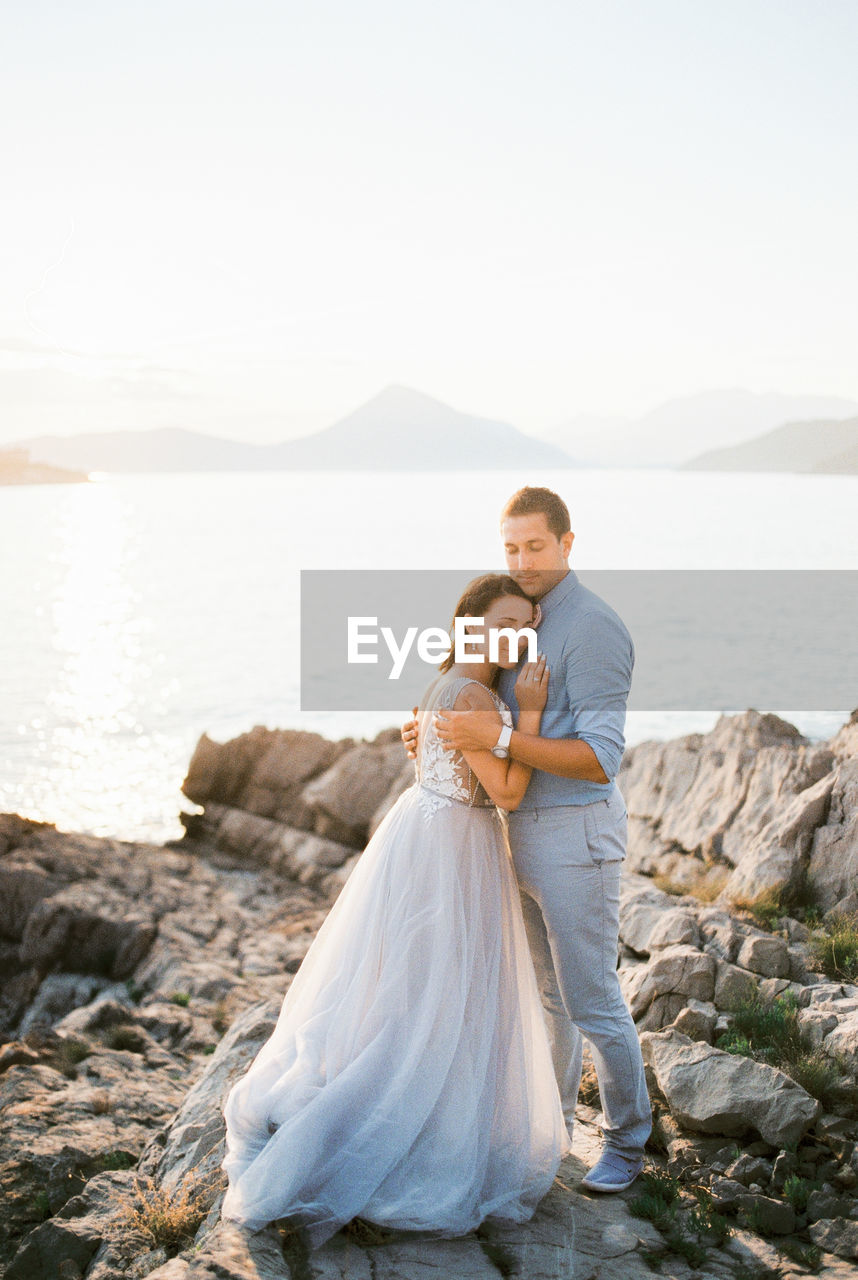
{"x": 531, "y": 687}
{"x": 408, "y": 734}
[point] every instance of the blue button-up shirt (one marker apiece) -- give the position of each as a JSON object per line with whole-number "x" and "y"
{"x": 590, "y": 655}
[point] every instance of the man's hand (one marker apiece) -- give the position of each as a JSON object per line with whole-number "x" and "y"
{"x": 408, "y": 734}
{"x": 467, "y": 730}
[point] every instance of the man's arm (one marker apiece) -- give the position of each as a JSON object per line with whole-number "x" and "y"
{"x": 597, "y": 672}
{"x": 478, "y": 730}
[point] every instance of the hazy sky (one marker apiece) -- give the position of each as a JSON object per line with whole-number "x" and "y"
{"x": 249, "y": 217}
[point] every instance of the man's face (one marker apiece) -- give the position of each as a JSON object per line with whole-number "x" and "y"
{"x": 535, "y": 557}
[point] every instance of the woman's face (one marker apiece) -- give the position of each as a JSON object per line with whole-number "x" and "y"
{"x": 506, "y": 611}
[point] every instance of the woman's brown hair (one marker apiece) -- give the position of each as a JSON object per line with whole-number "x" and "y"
{"x": 476, "y": 598}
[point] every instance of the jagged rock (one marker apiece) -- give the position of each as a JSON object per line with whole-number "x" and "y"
{"x": 833, "y": 865}
{"x": 715, "y": 1092}
{"x": 709, "y": 796}
{"x": 748, "y": 1169}
{"x": 765, "y": 954}
{"x": 262, "y": 771}
{"x": 351, "y": 791}
{"x": 733, "y": 986}
{"x": 726, "y": 1194}
{"x": 774, "y": 1217}
{"x": 642, "y": 906}
{"x": 842, "y": 1041}
{"x": 775, "y": 858}
{"x": 58, "y": 994}
{"x": 817, "y": 1021}
{"x": 681, "y": 972}
{"x": 676, "y": 927}
{"x": 722, "y": 935}
{"x": 827, "y": 1204}
{"x": 836, "y": 1235}
{"x": 90, "y": 928}
{"x": 697, "y": 1020}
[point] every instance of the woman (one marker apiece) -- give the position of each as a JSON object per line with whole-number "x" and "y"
{"x": 409, "y": 1079}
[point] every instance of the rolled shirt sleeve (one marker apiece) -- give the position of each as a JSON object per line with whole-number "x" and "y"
{"x": 598, "y": 659}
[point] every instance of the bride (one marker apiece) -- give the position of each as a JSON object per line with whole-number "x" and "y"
{"x": 408, "y": 1079}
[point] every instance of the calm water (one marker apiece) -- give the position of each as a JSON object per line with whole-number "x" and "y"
{"x": 143, "y": 611}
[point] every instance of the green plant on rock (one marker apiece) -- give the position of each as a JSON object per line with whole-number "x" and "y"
{"x": 797, "y": 1191}
{"x": 685, "y": 1235}
{"x": 768, "y": 907}
{"x": 770, "y": 1032}
{"x": 135, "y": 992}
{"x": 834, "y": 948}
{"x": 181, "y": 997}
{"x": 68, "y": 1053}
{"x": 41, "y": 1205}
{"x": 806, "y": 1255}
{"x": 706, "y": 1221}
{"x": 117, "y": 1159}
{"x": 124, "y": 1036}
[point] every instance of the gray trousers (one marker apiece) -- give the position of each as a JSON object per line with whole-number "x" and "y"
{"x": 568, "y": 860}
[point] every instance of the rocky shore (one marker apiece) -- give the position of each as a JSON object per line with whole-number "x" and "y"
{"x": 16, "y": 467}
{"x": 140, "y": 980}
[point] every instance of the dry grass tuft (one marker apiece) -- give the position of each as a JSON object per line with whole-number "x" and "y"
{"x": 168, "y": 1216}
{"x": 706, "y": 886}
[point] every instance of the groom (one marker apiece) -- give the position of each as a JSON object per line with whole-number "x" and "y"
{"x": 568, "y": 837}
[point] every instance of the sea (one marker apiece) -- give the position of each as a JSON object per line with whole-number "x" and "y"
{"x": 139, "y": 612}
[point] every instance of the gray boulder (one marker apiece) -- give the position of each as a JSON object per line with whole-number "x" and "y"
{"x": 710, "y": 1091}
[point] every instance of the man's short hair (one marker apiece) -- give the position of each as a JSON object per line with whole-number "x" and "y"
{"x": 530, "y": 500}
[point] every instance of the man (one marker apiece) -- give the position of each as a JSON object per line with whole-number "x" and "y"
{"x": 568, "y": 837}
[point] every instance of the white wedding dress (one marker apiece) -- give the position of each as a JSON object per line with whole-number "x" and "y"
{"x": 408, "y": 1079}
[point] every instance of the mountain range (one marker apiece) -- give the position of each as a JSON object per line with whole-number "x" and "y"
{"x": 830, "y": 447}
{"x": 398, "y": 430}
{"x": 401, "y": 429}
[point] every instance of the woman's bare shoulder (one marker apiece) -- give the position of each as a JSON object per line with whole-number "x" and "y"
{"x": 474, "y": 696}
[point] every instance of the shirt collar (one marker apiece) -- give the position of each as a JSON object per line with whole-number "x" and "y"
{"x": 558, "y": 592}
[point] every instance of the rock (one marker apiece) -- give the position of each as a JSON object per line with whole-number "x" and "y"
{"x": 58, "y": 994}
{"x": 836, "y": 1235}
{"x": 726, "y": 1194}
{"x": 642, "y": 906}
{"x": 677, "y": 971}
{"x": 827, "y": 1204}
{"x": 351, "y": 791}
{"x": 816, "y": 1022}
{"x": 842, "y": 1041}
{"x": 785, "y": 1163}
{"x": 710, "y": 1091}
{"x": 733, "y": 986}
{"x": 833, "y": 865}
{"x": 770, "y": 988}
{"x": 710, "y": 796}
{"x": 772, "y": 1217}
{"x": 722, "y": 935}
{"x": 748, "y": 1169}
{"x": 697, "y": 1020}
{"x": 765, "y": 954}
{"x": 774, "y": 860}
{"x": 89, "y": 928}
{"x": 676, "y": 927}
{"x": 261, "y": 771}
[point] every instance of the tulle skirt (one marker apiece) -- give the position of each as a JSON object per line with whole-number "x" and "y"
{"x": 408, "y": 1079}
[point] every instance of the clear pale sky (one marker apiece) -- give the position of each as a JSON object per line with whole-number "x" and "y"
{"x": 250, "y": 217}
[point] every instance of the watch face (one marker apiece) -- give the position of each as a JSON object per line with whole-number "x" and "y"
{"x": 500, "y": 752}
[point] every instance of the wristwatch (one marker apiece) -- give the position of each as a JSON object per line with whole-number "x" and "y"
{"x": 501, "y": 747}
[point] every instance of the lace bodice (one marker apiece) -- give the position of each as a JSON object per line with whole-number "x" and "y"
{"x": 446, "y": 774}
